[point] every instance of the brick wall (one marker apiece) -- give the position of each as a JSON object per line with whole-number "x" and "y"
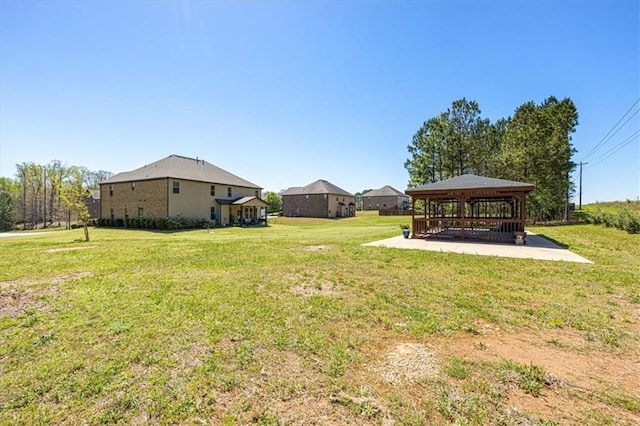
{"x": 127, "y": 197}
{"x": 311, "y": 205}
{"x": 379, "y": 203}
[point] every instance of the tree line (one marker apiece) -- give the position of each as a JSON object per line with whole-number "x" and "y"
{"x": 45, "y": 195}
{"x": 533, "y": 146}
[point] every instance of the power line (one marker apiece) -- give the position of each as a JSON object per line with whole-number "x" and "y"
{"x": 609, "y": 135}
{"x": 615, "y": 149}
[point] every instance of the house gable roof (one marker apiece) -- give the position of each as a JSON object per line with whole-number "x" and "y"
{"x": 469, "y": 181}
{"x": 318, "y": 187}
{"x": 385, "y": 191}
{"x": 240, "y": 201}
{"x": 179, "y": 167}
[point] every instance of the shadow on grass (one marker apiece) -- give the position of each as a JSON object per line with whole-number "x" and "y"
{"x": 554, "y": 241}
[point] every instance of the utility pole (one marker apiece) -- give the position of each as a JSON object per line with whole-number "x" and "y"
{"x": 580, "y": 192}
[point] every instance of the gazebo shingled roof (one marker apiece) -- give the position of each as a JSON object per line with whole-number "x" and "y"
{"x": 470, "y": 182}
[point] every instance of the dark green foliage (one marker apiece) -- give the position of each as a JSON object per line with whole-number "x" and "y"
{"x": 537, "y": 149}
{"x": 173, "y": 223}
{"x": 6, "y": 211}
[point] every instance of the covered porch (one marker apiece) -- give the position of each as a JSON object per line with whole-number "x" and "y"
{"x": 470, "y": 207}
{"x": 243, "y": 211}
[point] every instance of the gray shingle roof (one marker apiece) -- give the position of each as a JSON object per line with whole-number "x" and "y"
{"x": 318, "y": 187}
{"x": 178, "y": 167}
{"x": 385, "y": 191}
{"x": 471, "y": 182}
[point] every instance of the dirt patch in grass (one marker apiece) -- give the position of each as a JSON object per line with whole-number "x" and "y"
{"x": 19, "y": 295}
{"x": 564, "y": 352}
{"x": 407, "y": 362}
{"x": 309, "y": 285}
{"x": 584, "y": 374}
{"x": 581, "y": 375}
{"x": 69, "y": 249}
{"x": 288, "y": 388}
{"x": 318, "y": 248}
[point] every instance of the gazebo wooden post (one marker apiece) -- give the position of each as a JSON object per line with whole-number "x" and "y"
{"x": 427, "y": 223}
{"x": 413, "y": 217}
{"x": 523, "y": 216}
{"x": 462, "y": 200}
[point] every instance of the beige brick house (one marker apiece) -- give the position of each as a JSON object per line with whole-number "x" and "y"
{"x": 384, "y": 198}
{"x": 180, "y": 186}
{"x": 318, "y": 199}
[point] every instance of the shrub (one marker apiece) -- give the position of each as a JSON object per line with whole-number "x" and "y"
{"x": 625, "y": 219}
{"x": 629, "y": 221}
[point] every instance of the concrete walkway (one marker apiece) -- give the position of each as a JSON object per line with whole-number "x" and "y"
{"x": 535, "y": 248}
{"x": 20, "y": 234}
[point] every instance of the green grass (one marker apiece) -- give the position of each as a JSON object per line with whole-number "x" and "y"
{"x": 268, "y": 325}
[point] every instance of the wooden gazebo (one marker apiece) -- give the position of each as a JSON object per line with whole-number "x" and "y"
{"x": 470, "y": 206}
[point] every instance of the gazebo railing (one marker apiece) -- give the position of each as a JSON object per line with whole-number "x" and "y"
{"x": 495, "y": 229}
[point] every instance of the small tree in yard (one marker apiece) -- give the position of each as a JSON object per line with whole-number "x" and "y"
{"x": 74, "y": 193}
{"x": 274, "y": 201}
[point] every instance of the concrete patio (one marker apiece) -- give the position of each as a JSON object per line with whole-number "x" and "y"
{"x": 536, "y": 247}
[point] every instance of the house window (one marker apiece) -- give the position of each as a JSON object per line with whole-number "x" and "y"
{"x": 140, "y": 211}
{"x": 213, "y": 190}
{"x": 133, "y": 186}
{"x": 213, "y": 213}
{"x": 323, "y": 196}
{"x": 229, "y": 192}
{"x": 126, "y": 216}
{"x": 257, "y": 193}
{"x": 111, "y": 190}
{"x": 111, "y": 214}
{"x": 176, "y": 187}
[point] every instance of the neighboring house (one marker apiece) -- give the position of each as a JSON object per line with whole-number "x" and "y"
{"x": 93, "y": 203}
{"x": 318, "y": 199}
{"x": 181, "y": 186}
{"x": 384, "y": 198}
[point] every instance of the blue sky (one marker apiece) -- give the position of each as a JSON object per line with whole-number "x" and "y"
{"x": 283, "y": 93}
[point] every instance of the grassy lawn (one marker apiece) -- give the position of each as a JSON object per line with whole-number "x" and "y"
{"x": 298, "y": 323}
